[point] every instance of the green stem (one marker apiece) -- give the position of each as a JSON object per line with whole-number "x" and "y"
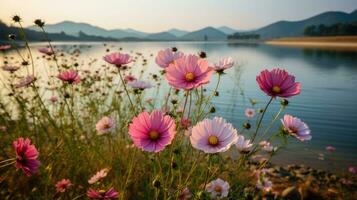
{"x": 127, "y": 92}
{"x": 261, "y": 119}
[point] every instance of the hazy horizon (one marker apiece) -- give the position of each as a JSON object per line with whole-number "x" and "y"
{"x": 162, "y": 15}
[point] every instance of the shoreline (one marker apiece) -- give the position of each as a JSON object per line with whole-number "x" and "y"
{"x": 348, "y": 43}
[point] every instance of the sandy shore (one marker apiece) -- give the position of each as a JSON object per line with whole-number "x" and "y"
{"x": 338, "y": 43}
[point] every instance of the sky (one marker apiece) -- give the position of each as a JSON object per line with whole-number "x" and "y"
{"x": 161, "y": 15}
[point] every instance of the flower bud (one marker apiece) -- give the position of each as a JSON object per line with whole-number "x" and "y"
{"x": 284, "y": 102}
{"x": 16, "y": 18}
{"x": 174, "y": 165}
{"x": 212, "y": 110}
{"x": 247, "y": 126}
{"x": 39, "y": 23}
{"x": 174, "y": 101}
{"x": 12, "y": 36}
{"x": 202, "y": 54}
{"x": 156, "y": 183}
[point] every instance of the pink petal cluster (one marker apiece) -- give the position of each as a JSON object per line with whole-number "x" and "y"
{"x": 330, "y": 148}
{"x": 102, "y": 194}
{"x": 352, "y": 169}
{"x": 249, "y": 112}
{"x": 218, "y": 188}
{"x": 213, "y": 135}
{"x": 53, "y": 99}
{"x": 137, "y": 84}
{"x": 185, "y": 194}
{"x": 26, "y": 156}
{"x": 223, "y": 64}
{"x": 105, "y": 125}
{"x": 63, "y": 185}
{"x": 70, "y": 76}
{"x": 243, "y": 145}
{"x": 98, "y": 176}
{"x": 267, "y": 146}
{"x": 25, "y": 82}
{"x": 295, "y": 127}
{"x": 5, "y": 47}
{"x": 47, "y": 51}
{"x": 188, "y": 72}
{"x": 279, "y": 83}
{"x": 166, "y": 57}
{"x": 118, "y": 59}
{"x": 10, "y": 68}
{"x": 129, "y": 78}
{"x": 152, "y": 132}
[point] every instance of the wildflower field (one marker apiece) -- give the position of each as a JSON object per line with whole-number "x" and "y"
{"x": 82, "y": 134}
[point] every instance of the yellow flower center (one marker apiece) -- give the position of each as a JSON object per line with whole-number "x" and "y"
{"x": 276, "y": 89}
{"x": 189, "y": 76}
{"x": 101, "y": 191}
{"x": 213, "y": 140}
{"x": 218, "y": 189}
{"x": 153, "y": 135}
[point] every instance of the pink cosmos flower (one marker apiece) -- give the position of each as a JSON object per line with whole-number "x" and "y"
{"x": 47, "y": 51}
{"x": 213, "y": 136}
{"x": 129, "y": 78}
{"x": 25, "y": 82}
{"x": 152, "y": 132}
{"x": 243, "y": 145}
{"x": 102, "y": 194}
{"x": 185, "y": 123}
{"x": 352, "y": 169}
{"x": 218, "y": 188}
{"x": 53, "y": 99}
{"x": 264, "y": 184}
{"x": 223, "y": 64}
{"x": 10, "y": 68}
{"x": 330, "y": 148}
{"x": 104, "y": 125}
{"x": 279, "y": 83}
{"x": 5, "y": 47}
{"x": 98, "y": 176}
{"x": 249, "y": 112}
{"x": 70, "y": 76}
{"x": 118, "y": 59}
{"x": 63, "y": 185}
{"x": 266, "y": 146}
{"x": 26, "y": 156}
{"x": 188, "y": 72}
{"x": 141, "y": 85}
{"x": 295, "y": 127}
{"x": 166, "y": 57}
{"x": 185, "y": 194}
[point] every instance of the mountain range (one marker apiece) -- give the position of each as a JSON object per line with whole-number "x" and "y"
{"x": 278, "y": 29}
{"x": 73, "y": 28}
{"x": 296, "y": 28}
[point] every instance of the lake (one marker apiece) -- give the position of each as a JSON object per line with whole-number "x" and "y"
{"x": 327, "y": 103}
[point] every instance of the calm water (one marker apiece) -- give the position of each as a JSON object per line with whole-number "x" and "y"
{"x": 327, "y": 103}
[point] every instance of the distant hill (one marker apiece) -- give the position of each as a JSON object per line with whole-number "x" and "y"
{"x": 73, "y": 28}
{"x": 208, "y": 33}
{"x": 227, "y": 30}
{"x": 177, "y": 32}
{"x": 296, "y": 28}
{"x": 161, "y": 36}
{"x": 38, "y": 36}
